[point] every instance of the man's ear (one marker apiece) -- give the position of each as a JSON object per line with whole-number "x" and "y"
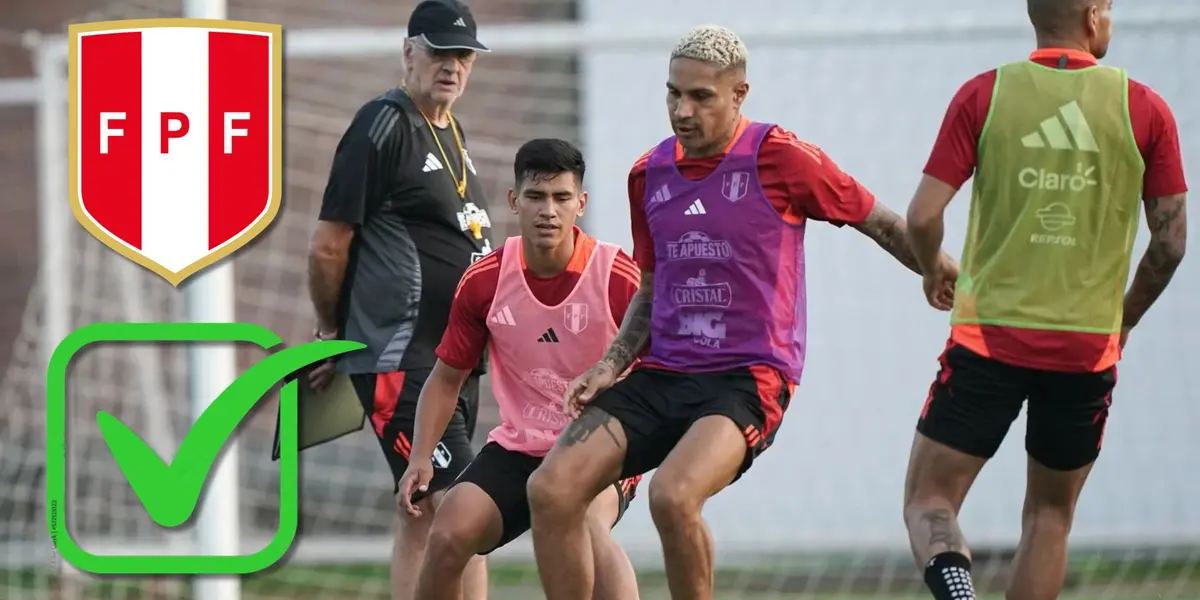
{"x": 408, "y": 54}
{"x": 740, "y": 91}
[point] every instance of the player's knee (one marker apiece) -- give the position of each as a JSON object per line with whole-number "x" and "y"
{"x": 671, "y": 502}
{"x": 930, "y": 497}
{"x": 1051, "y": 493}
{"x": 939, "y": 475}
{"x": 1047, "y": 521}
{"x": 1048, "y": 517}
{"x": 605, "y": 508}
{"x": 450, "y": 545}
{"x": 552, "y": 492}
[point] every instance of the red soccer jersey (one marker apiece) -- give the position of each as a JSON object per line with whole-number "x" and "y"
{"x": 466, "y": 333}
{"x": 953, "y": 161}
{"x": 799, "y": 179}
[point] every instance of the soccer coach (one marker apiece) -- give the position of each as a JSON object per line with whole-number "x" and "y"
{"x": 402, "y": 217}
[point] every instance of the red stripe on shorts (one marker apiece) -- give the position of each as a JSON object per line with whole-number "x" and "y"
{"x": 402, "y": 445}
{"x": 943, "y": 375}
{"x": 1102, "y": 416}
{"x": 771, "y": 388}
{"x": 387, "y": 395}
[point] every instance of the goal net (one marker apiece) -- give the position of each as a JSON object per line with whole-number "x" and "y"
{"x": 819, "y": 515}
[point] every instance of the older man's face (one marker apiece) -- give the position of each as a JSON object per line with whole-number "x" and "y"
{"x": 440, "y": 74}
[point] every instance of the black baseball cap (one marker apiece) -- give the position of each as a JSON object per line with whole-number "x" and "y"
{"x": 445, "y": 25}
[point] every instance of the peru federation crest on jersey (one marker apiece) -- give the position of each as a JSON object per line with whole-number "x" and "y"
{"x": 176, "y": 137}
{"x": 735, "y": 185}
{"x": 575, "y": 317}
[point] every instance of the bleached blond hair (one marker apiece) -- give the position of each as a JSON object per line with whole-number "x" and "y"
{"x": 714, "y": 45}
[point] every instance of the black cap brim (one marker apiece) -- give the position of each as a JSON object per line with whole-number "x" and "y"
{"x": 454, "y": 41}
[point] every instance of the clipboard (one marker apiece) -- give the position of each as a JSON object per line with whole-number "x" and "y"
{"x": 323, "y": 415}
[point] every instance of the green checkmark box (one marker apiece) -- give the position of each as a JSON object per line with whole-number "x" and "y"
{"x": 170, "y": 492}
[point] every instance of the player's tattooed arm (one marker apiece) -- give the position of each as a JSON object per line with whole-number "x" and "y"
{"x": 1167, "y": 220}
{"x": 891, "y": 233}
{"x": 635, "y": 329}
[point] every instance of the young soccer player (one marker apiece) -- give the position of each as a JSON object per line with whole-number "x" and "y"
{"x": 546, "y": 304}
{"x": 1038, "y": 313}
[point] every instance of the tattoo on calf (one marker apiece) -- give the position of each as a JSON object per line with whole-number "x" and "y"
{"x": 943, "y": 531}
{"x": 591, "y": 421}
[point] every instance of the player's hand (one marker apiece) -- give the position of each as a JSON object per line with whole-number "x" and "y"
{"x": 1125, "y": 335}
{"x": 415, "y": 479}
{"x": 587, "y": 386}
{"x": 939, "y": 283}
{"x": 321, "y": 375}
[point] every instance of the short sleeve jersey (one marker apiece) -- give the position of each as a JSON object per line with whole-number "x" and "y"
{"x": 953, "y": 161}
{"x": 800, "y": 180}
{"x": 393, "y": 179}
{"x": 467, "y": 334}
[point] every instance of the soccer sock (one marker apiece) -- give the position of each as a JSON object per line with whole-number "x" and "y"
{"x": 948, "y": 576}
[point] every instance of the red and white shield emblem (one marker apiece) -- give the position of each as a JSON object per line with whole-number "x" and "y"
{"x": 176, "y": 137}
{"x": 735, "y": 185}
{"x": 575, "y": 317}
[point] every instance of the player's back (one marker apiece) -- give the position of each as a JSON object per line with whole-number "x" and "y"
{"x": 535, "y": 350}
{"x": 1055, "y": 202}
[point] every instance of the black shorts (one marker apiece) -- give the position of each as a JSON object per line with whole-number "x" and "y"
{"x": 975, "y": 399}
{"x": 502, "y": 475}
{"x": 390, "y": 400}
{"x": 656, "y": 407}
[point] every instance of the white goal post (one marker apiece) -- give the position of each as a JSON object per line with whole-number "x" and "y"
{"x": 58, "y": 295}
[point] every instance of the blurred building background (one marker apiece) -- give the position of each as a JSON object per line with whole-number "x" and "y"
{"x": 868, "y": 80}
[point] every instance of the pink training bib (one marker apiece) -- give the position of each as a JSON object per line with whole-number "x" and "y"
{"x": 536, "y": 350}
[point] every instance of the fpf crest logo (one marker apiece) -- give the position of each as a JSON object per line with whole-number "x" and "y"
{"x": 176, "y": 130}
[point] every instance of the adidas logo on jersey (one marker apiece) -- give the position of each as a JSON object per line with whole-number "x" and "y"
{"x": 432, "y": 163}
{"x": 697, "y": 208}
{"x": 549, "y": 336}
{"x": 662, "y": 195}
{"x": 1052, "y": 134}
{"x": 503, "y": 317}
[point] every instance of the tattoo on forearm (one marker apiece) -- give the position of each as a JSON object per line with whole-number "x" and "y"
{"x": 891, "y": 233}
{"x": 635, "y": 329}
{"x": 1168, "y": 231}
{"x": 944, "y": 534}
{"x": 592, "y": 420}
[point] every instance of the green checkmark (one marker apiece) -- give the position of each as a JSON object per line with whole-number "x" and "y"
{"x": 170, "y": 492}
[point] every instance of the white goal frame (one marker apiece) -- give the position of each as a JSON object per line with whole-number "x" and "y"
{"x": 47, "y": 91}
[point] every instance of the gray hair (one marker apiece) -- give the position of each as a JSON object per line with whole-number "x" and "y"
{"x": 712, "y": 44}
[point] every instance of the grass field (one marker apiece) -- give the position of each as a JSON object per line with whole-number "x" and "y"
{"x": 1091, "y": 579}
